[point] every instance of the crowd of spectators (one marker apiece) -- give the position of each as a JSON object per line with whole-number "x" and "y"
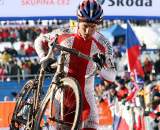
{"x": 134, "y": 95}
{"x": 18, "y": 69}
{"x": 21, "y": 33}
{"x": 25, "y": 31}
{"x": 132, "y": 91}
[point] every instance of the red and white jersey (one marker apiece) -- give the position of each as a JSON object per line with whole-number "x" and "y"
{"x": 78, "y": 67}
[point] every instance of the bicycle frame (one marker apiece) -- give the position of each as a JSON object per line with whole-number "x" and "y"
{"x": 56, "y": 80}
{"x": 39, "y": 87}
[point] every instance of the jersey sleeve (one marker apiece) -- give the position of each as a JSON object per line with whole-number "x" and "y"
{"x": 39, "y": 45}
{"x": 108, "y": 72}
{"x": 42, "y": 42}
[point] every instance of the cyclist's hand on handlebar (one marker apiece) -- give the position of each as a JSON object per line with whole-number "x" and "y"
{"x": 47, "y": 65}
{"x": 50, "y": 40}
{"x": 100, "y": 59}
{"x": 53, "y": 41}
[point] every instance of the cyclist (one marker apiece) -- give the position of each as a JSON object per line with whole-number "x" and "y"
{"x": 90, "y": 42}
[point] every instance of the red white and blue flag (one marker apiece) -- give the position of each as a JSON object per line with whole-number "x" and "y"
{"x": 133, "y": 52}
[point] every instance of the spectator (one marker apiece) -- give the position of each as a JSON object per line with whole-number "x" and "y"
{"x": 157, "y": 65}
{"x": 6, "y": 98}
{"x": 2, "y": 73}
{"x": 143, "y": 47}
{"x": 14, "y": 70}
{"x": 1, "y": 35}
{"x": 5, "y": 34}
{"x": 25, "y": 70}
{"x": 30, "y": 51}
{"x": 22, "y": 34}
{"x": 21, "y": 51}
{"x": 5, "y": 57}
{"x": 11, "y": 51}
{"x": 147, "y": 68}
{"x": 123, "y": 91}
{"x": 35, "y": 66}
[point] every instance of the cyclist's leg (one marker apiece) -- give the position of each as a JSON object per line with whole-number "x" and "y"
{"x": 92, "y": 121}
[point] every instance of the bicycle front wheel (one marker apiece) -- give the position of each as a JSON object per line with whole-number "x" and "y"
{"x": 23, "y": 102}
{"x": 64, "y": 110}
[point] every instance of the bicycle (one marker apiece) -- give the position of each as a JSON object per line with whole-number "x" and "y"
{"x": 56, "y": 101}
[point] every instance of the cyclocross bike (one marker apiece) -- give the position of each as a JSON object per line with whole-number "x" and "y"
{"x": 34, "y": 111}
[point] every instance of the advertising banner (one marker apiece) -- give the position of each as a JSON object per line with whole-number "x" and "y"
{"x": 6, "y": 111}
{"x": 67, "y": 8}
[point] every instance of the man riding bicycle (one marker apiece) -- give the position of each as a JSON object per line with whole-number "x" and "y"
{"x": 90, "y": 42}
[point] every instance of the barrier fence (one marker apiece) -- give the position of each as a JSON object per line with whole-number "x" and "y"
{"x": 117, "y": 117}
{"x": 6, "y": 110}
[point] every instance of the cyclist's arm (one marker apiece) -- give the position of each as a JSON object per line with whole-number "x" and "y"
{"x": 41, "y": 45}
{"x": 108, "y": 72}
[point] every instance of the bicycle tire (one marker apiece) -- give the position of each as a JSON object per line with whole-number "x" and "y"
{"x": 21, "y": 100}
{"x": 71, "y": 84}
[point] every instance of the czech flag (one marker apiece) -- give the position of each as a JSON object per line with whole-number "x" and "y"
{"x": 133, "y": 52}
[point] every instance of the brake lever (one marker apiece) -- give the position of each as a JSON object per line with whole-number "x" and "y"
{"x": 53, "y": 44}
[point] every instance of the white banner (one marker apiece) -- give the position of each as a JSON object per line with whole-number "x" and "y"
{"x": 132, "y": 8}
{"x": 67, "y": 8}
